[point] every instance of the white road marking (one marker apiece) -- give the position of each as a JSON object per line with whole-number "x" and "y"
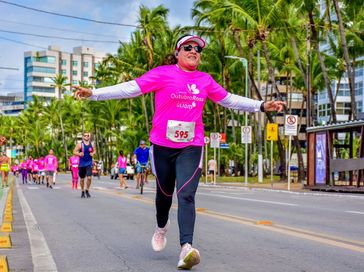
{"x": 41, "y": 255}
{"x": 250, "y": 199}
{"x": 355, "y": 212}
{"x": 33, "y": 188}
{"x": 99, "y": 188}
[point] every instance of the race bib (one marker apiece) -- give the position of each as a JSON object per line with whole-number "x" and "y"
{"x": 180, "y": 132}
{"x": 75, "y": 165}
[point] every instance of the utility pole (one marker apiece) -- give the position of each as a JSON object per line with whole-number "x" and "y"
{"x": 260, "y": 156}
{"x": 9, "y": 68}
{"x": 308, "y": 71}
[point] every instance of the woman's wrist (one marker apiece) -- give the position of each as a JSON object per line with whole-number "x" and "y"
{"x": 262, "y": 107}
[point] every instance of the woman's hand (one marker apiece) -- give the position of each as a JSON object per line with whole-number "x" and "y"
{"x": 274, "y": 105}
{"x": 82, "y": 93}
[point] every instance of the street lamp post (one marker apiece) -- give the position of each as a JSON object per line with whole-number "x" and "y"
{"x": 245, "y": 64}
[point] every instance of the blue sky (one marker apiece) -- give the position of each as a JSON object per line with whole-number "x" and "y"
{"x": 17, "y": 19}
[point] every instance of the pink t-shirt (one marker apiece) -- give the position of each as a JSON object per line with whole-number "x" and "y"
{"x": 23, "y": 165}
{"x": 179, "y": 96}
{"x": 74, "y": 161}
{"x": 29, "y": 164}
{"x": 122, "y": 162}
{"x": 35, "y": 165}
{"x": 51, "y": 163}
{"x": 41, "y": 164}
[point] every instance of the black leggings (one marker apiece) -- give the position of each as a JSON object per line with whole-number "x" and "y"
{"x": 180, "y": 167}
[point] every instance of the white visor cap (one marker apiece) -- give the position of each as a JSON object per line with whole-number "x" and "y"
{"x": 190, "y": 38}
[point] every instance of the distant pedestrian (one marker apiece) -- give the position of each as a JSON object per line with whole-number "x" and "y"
{"x": 211, "y": 165}
{"x": 24, "y": 172}
{"x": 51, "y": 166}
{"x": 85, "y": 150}
{"x": 122, "y": 160}
{"x": 4, "y": 168}
{"x": 74, "y": 161}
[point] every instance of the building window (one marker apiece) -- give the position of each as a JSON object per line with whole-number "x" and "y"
{"x": 322, "y": 94}
{"x": 97, "y": 65}
{"x": 74, "y": 72}
{"x": 74, "y": 63}
{"x": 74, "y": 82}
{"x": 64, "y": 62}
{"x": 64, "y": 72}
{"x": 41, "y": 79}
{"x": 41, "y": 90}
{"x": 342, "y": 108}
{"x": 85, "y": 74}
{"x": 46, "y": 70}
{"x": 43, "y": 59}
{"x": 359, "y": 106}
{"x": 359, "y": 72}
{"x": 85, "y": 64}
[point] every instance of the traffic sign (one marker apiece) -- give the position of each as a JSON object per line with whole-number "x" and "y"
{"x": 246, "y": 134}
{"x": 224, "y": 146}
{"x": 206, "y": 140}
{"x": 214, "y": 139}
{"x": 222, "y": 138}
{"x": 272, "y": 132}
{"x": 290, "y": 127}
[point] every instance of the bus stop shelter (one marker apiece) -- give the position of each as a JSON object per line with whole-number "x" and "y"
{"x": 336, "y": 157}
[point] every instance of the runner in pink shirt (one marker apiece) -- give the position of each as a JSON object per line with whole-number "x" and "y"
{"x": 51, "y": 165}
{"x": 41, "y": 168}
{"x": 35, "y": 171}
{"x": 122, "y": 169}
{"x": 29, "y": 163}
{"x": 177, "y": 134}
{"x": 15, "y": 170}
{"x": 73, "y": 164}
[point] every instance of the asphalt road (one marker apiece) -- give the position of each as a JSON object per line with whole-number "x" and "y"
{"x": 236, "y": 230}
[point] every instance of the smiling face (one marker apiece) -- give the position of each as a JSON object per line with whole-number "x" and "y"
{"x": 188, "y": 60}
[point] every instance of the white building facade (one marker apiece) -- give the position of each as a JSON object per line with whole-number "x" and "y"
{"x": 11, "y": 105}
{"x": 41, "y": 67}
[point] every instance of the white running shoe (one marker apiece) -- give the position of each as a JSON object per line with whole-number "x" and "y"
{"x": 189, "y": 257}
{"x": 159, "y": 239}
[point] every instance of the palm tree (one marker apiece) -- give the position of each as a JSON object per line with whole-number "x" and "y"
{"x": 258, "y": 17}
{"x": 349, "y": 68}
{"x": 152, "y": 23}
{"x": 60, "y": 83}
{"x": 309, "y": 7}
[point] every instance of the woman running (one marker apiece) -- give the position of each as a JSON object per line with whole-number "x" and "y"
{"x": 177, "y": 134}
{"x": 122, "y": 169}
{"x": 74, "y": 161}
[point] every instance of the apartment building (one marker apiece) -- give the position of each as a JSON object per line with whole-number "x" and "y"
{"x": 295, "y": 101}
{"x": 11, "y": 104}
{"x": 41, "y": 67}
{"x": 340, "y": 88}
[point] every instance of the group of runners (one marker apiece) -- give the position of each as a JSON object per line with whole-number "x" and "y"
{"x": 41, "y": 170}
